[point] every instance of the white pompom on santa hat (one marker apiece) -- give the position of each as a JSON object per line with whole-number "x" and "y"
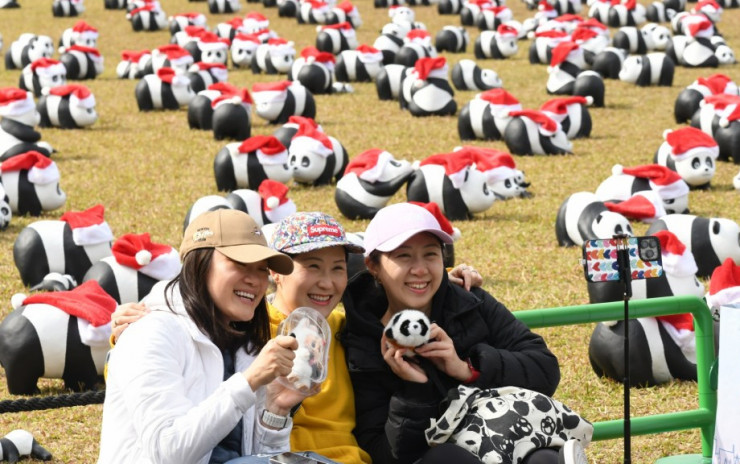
{"x": 15, "y": 102}
{"x": 41, "y": 169}
{"x": 667, "y": 183}
{"x": 268, "y": 149}
{"x": 444, "y": 223}
{"x": 156, "y": 260}
{"x": 690, "y": 141}
{"x": 89, "y": 226}
{"x": 370, "y": 164}
{"x": 724, "y": 285}
{"x": 275, "y": 201}
{"x": 646, "y": 206}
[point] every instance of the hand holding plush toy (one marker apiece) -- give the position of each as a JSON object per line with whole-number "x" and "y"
{"x": 408, "y": 329}
{"x": 311, "y": 358}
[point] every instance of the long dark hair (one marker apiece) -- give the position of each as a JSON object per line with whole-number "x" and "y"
{"x": 252, "y": 335}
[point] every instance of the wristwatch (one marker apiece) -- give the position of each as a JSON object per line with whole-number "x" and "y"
{"x": 274, "y": 421}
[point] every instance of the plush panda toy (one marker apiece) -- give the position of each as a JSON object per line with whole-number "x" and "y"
{"x": 136, "y": 265}
{"x": 408, "y": 328}
{"x": 20, "y": 443}
{"x": 691, "y": 153}
{"x": 57, "y": 335}
{"x": 249, "y": 163}
{"x": 27, "y": 49}
{"x": 369, "y": 181}
{"x": 582, "y": 216}
{"x": 19, "y": 118}
{"x": 31, "y": 182}
{"x": 70, "y": 245}
{"x": 711, "y": 240}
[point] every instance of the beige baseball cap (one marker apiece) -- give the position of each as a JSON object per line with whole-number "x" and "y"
{"x": 236, "y": 235}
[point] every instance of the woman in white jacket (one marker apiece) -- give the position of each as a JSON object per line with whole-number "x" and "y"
{"x": 193, "y": 382}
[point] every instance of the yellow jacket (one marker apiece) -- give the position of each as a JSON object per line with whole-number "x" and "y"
{"x": 324, "y": 422}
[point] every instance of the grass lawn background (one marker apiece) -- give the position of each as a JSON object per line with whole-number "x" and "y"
{"x": 148, "y": 168}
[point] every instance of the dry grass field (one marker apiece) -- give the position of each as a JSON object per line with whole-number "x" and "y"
{"x": 148, "y": 168}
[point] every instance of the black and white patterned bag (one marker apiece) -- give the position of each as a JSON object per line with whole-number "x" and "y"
{"x": 503, "y": 425}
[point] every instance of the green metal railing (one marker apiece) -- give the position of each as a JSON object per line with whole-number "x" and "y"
{"x": 704, "y": 416}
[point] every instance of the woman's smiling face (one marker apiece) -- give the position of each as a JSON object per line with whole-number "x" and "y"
{"x": 236, "y": 288}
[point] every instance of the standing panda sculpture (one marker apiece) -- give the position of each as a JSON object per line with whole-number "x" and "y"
{"x": 31, "y": 182}
{"x": 691, "y": 153}
{"x": 57, "y": 335}
{"x": 135, "y": 266}
{"x": 711, "y": 240}
{"x": 369, "y": 181}
{"x": 582, "y": 216}
{"x": 70, "y": 245}
{"x": 249, "y": 163}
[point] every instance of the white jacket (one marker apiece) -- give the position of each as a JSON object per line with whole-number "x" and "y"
{"x": 166, "y": 400}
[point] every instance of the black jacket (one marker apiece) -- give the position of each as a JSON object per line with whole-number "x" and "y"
{"x": 392, "y": 413}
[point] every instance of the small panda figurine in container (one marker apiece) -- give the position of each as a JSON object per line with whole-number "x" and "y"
{"x": 310, "y": 366}
{"x": 408, "y": 329}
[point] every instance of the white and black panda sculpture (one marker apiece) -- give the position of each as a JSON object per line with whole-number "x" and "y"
{"x": 369, "y": 181}
{"x": 249, "y": 163}
{"x": 625, "y": 181}
{"x": 223, "y": 108}
{"x": 267, "y": 205}
{"x": 491, "y": 16}
{"x": 664, "y": 347}
{"x": 202, "y": 205}
{"x": 645, "y": 70}
{"x": 452, "y": 39}
{"x": 452, "y": 181}
{"x": 82, "y": 62}
{"x": 200, "y": 108}
{"x": 149, "y": 17}
{"x": 242, "y": 50}
{"x": 6, "y": 214}
{"x": 42, "y": 74}
{"x": 626, "y": 13}
{"x": 335, "y": 38}
{"x": 31, "y": 183}
{"x": 663, "y": 11}
{"x": 691, "y": 153}
{"x": 533, "y": 132}
{"x": 223, "y": 6}
{"x": 502, "y": 176}
{"x": 315, "y": 70}
{"x": 362, "y": 64}
{"x": 582, "y": 216}
{"x": 70, "y": 245}
{"x": 567, "y": 74}
{"x": 689, "y": 100}
{"x": 134, "y": 64}
{"x": 390, "y": 41}
{"x": 57, "y": 335}
{"x": 81, "y": 33}
{"x": 188, "y": 37}
{"x": 166, "y": 90}
{"x": 571, "y": 113}
{"x": 277, "y": 101}
{"x": 426, "y": 90}
{"x": 467, "y": 75}
{"x": 67, "y": 8}
{"x": 20, "y": 443}
{"x": 719, "y": 116}
{"x": 498, "y": 44}
{"x": 389, "y": 81}
{"x": 9, "y": 4}
{"x": 178, "y": 22}
{"x": 17, "y": 126}
{"x": 136, "y": 265}
{"x": 273, "y": 57}
{"x": 711, "y": 240}
{"x": 169, "y": 56}
{"x": 416, "y": 45}
{"x": 27, "y": 49}
{"x": 209, "y": 48}
{"x": 202, "y": 75}
{"x": 608, "y": 62}
{"x": 408, "y": 329}
{"x": 486, "y": 116}
{"x": 315, "y": 157}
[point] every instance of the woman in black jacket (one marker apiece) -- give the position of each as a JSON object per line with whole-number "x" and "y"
{"x": 474, "y": 340}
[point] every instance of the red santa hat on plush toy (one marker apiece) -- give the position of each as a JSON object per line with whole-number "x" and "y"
{"x": 547, "y": 125}
{"x": 724, "y": 286}
{"x": 456, "y": 165}
{"x": 269, "y": 150}
{"x": 270, "y": 92}
{"x": 646, "y": 206}
{"x": 48, "y": 67}
{"x": 725, "y": 105}
{"x": 41, "y": 169}
{"x": 156, "y": 260}
{"x": 496, "y": 165}
{"x": 275, "y": 201}
{"x": 370, "y": 164}
{"x": 79, "y": 95}
{"x": 667, "y": 183}
{"x": 687, "y": 142}
{"x": 89, "y": 226}
{"x": 444, "y": 223}
{"x": 557, "y": 108}
{"x": 565, "y": 51}
{"x": 15, "y": 102}
{"x": 501, "y": 101}
{"x": 88, "y": 301}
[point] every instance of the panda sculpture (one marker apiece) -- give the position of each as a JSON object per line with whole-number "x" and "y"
{"x": 133, "y": 64}
{"x": 242, "y": 50}
{"x": 498, "y": 44}
{"x": 57, "y": 335}
{"x": 626, "y": 181}
{"x": 19, "y": 118}
{"x": 6, "y": 214}
{"x": 533, "y": 132}
{"x": 608, "y": 62}
{"x": 362, "y": 64}
{"x": 315, "y": 70}
{"x": 719, "y": 116}
{"x": 389, "y": 81}
{"x": 467, "y": 75}
{"x": 202, "y": 205}
{"x": 369, "y": 181}
{"x": 661, "y": 348}
{"x": 20, "y": 443}
{"x": 170, "y": 56}
{"x": 315, "y": 157}
{"x": 202, "y": 75}
{"x": 335, "y": 38}
{"x": 267, "y": 205}
{"x": 571, "y": 113}
{"x": 490, "y": 17}
{"x": 31, "y": 183}
{"x": 70, "y": 245}
{"x": 452, "y": 181}
{"x": 81, "y": 33}
{"x": 390, "y": 41}
{"x": 178, "y": 22}
{"x": 486, "y": 116}
{"x": 200, "y": 109}
{"x": 626, "y": 13}
{"x": 147, "y": 18}
{"x": 166, "y": 90}
{"x": 188, "y": 38}
{"x": 408, "y": 329}
{"x": 711, "y": 240}
{"x": 691, "y": 153}
{"x": 502, "y": 176}
{"x": 567, "y": 74}
{"x": 646, "y": 70}
{"x": 453, "y": 39}
{"x": 544, "y": 41}
{"x": 42, "y": 74}
{"x": 582, "y": 216}
{"x": 273, "y": 57}
{"x": 416, "y": 45}
{"x": 663, "y": 11}
{"x": 426, "y": 91}
{"x": 67, "y": 8}
{"x": 82, "y": 62}
{"x": 312, "y": 12}
{"x": 277, "y": 101}
{"x": 249, "y": 163}
{"x": 135, "y": 266}
{"x": 223, "y": 6}
{"x": 689, "y": 100}
{"x": 27, "y": 49}
{"x": 209, "y": 48}
{"x": 226, "y": 110}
